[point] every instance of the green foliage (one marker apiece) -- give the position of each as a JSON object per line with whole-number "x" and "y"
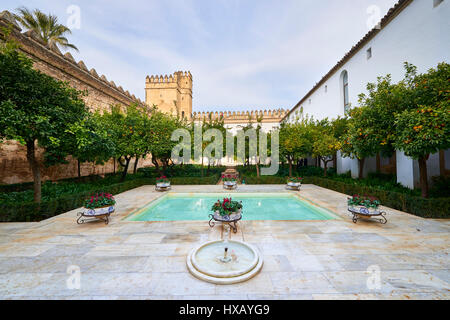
{"x": 99, "y": 200}
{"x": 226, "y": 207}
{"x": 361, "y": 141}
{"x": 295, "y": 179}
{"x": 380, "y": 105}
{"x": 34, "y": 106}
{"x": 424, "y": 127}
{"x": 26, "y": 211}
{"x": 90, "y": 141}
{"x": 46, "y": 27}
{"x": 186, "y": 170}
{"x": 366, "y": 201}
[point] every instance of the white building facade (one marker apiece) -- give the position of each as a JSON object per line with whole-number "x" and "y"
{"x": 414, "y": 31}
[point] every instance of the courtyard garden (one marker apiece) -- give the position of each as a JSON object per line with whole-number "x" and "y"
{"x": 189, "y": 227}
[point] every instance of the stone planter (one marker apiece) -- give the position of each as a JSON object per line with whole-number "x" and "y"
{"x": 231, "y": 217}
{"x": 163, "y": 185}
{"x": 294, "y": 184}
{"x": 363, "y": 210}
{"x": 230, "y": 185}
{"x": 98, "y": 211}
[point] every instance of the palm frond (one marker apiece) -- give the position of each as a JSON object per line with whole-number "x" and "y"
{"x": 46, "y": 26}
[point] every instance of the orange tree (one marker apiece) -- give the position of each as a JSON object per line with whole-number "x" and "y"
{"x": 296, "y": 140}
{"x": 36, "y": 110}
{"x": 423, "y": 128}
{"x": 360, "y": 141}
{"x": 383, "y": 100}
{"x": 326, "y": 144}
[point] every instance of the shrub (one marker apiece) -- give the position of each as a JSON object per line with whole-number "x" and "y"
{"x": 30, "y": 211}
{"x": 399, "y": 198}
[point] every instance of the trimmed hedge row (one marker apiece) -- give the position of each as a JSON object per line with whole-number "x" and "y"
{"x": 30, "y": 211}
{"x": 437, "y": 208}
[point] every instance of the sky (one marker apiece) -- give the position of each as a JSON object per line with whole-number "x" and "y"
{"x": 243, "y": 54}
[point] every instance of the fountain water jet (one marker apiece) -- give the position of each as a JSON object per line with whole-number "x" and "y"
{"x": 224, "y": 261}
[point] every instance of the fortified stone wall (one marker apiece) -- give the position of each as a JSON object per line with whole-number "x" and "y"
{"x": 266, "y": 116}
{"x": 101, "y": 95}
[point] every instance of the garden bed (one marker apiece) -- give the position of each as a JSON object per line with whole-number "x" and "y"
{"x": 437, "y": 208}
{"x": 64, "y": 196}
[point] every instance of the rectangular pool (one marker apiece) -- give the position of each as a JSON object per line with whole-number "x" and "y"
{"x": 256, "y": 206}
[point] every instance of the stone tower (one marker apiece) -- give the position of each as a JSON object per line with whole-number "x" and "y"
{"x": 171, "y": 94}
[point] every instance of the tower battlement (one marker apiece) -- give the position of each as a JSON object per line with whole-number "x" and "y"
{"x": 170, "y": 93}
{"x": 173, "y": 78}
{"x": 272, "y": 115}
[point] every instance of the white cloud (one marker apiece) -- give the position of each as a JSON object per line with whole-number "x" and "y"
{"x": 242, "y": 54}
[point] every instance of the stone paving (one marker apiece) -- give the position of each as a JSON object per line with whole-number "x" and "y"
{"x": 334, "y": 259}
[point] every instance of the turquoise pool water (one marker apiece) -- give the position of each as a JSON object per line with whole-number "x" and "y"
{"x": 257, "y": 206}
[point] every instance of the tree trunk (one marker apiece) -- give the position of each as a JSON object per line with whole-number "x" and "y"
{"x": 257, "y": 168}
{"x": 79, "y": 168}
{"x": 378, "y": 163}
{"x": 136, "y": 165}
{"x": 114, "y": 166}
{"x": 423, "y": 176}
{"x": 125, "y": 167}
{"x": 335, "y": 161}
{"x": 325, "y": 163}
{"x": 361, "y": 168}
{"x": 156, "y": 164}
{"x": 202, "y": 165}
{"x": 34, "y": 166}
{"x": 290, "y": 167}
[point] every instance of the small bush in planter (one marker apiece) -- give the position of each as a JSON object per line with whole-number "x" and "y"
{"x": 370, "y": 203}
{"x": 162, "y": 180}
{"x": 226, "y": 207}
{"x": 294, "y": 180}
{"x": 99, "y": 200}
{"x": 228, "y": 178}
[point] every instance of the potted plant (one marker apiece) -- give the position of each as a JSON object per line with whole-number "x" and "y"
{"x": 363, "y": 204}
{"x": 294, "y": 182}
{"x": 227, "y": 209}
{"x": 228, "y": 180}
{"x": 99, "y": 204}
{"x": 162, "y": 182}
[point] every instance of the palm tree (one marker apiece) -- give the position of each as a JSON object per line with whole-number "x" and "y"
{"x": 46, "y": 26}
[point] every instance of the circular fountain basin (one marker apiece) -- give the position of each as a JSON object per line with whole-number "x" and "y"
{"x": 206, "y": 262}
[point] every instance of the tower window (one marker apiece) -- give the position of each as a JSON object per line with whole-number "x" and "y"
{"x": 309, "y": 101}
{"x": 326, "y": 89}
{"x": 182, "y": 114}
{"x": 369, "y": 53}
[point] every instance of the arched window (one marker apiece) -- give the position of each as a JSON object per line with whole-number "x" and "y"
{"x": 344, "y": 77}
{"x": 182, "y": 114}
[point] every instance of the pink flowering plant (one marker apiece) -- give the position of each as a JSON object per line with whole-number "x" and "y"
{"x": 226, "y": 207}
{"x": 162, "y": 179}
{"x": 99, "y": 200}
{"x": 295, "y": 179}
{"x": 365, "y": 201}
{"x": 228, "y": 178}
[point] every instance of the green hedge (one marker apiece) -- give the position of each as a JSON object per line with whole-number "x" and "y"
{"x": 437, "y": 208}
{"x": 30, "y": 211}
